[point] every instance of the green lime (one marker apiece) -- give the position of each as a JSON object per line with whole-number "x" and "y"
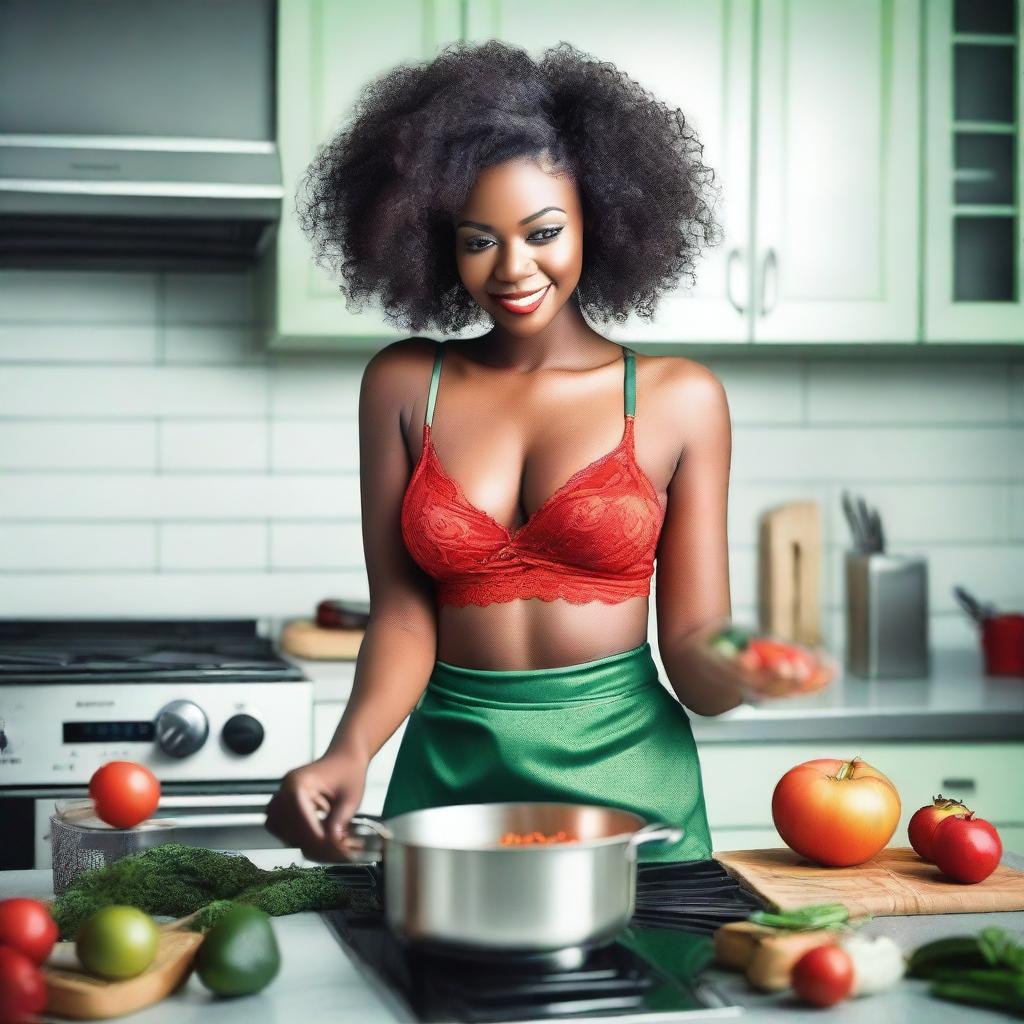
{"x": 725, "y": 646}
{"x": 117, "y": 942}
{"x": 239, "y": 954}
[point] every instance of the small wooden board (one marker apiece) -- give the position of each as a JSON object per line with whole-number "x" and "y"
{"x": 71, "y": 992}
{"x": 896, "y": 882}
{"x": 303, "y": 638}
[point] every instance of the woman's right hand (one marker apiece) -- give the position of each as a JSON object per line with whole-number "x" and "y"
{"x": 312, "y": 807}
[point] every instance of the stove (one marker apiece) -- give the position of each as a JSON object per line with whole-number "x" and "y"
{"x": 208, "y": 705}
{"x": 651, "y": 971}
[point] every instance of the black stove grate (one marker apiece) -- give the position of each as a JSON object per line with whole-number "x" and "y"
{"x": 651, "y": 970}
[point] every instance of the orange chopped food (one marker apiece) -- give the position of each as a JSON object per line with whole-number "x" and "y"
{"x": 526, "y": 838}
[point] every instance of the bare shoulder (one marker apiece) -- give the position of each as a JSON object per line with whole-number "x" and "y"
{"x": 394, "y": 376}
{"x": 680, "y": 388}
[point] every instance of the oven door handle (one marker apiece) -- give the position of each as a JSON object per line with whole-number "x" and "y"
{"x": 217, "y": 820}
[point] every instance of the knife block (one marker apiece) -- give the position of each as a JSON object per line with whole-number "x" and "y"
{"x": 886, "y": 615}
{"x": 789, "y": 572}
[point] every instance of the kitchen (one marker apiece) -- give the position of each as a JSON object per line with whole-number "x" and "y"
{"x": 179, "y": 442}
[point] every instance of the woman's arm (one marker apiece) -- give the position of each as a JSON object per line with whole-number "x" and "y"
{"x": 398, "y": 650}
{"x": 692, "y": 583}
{"x": 397, "y": 653}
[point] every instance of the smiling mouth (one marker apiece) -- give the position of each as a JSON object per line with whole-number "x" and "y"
{"x": 521, "y": 302}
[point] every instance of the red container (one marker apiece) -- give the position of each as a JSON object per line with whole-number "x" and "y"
{"x": 1002, "y": 641}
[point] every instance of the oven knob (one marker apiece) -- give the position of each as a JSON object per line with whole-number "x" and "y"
{"x": 181, "y": 728}
{"x": 242, "y": 734}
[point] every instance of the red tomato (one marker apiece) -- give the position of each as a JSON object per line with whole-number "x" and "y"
{"x": 26, "y": 925}
{"x": 124, "y": 792}
{"x": 835, "y": 812}
{"x": 922, "y": 825}
{"x": 22, "y": 989}
{"x": 966, "y": 848}
{"x": 823, "y": 975}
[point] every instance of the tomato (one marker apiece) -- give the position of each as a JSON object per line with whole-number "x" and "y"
{"x": 22, "y": 989}
{"x": 834, "y": 812}
{"x": 922, "y": 825}
{"x": 26, "y": 925}
{"x": 117, "y": 942}
{"x": 124, "y": 792}
{"x": 966, "y": 848}
{"x": 823, "y": 975}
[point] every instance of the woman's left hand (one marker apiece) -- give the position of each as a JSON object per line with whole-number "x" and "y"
{"x": 764, "y": 667}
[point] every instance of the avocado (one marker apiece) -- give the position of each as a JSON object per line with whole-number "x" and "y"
{"x": 239, "y": 954}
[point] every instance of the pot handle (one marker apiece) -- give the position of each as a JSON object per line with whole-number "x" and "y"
{"x": 656, "y": 832}
{"x": 365, "y": 838}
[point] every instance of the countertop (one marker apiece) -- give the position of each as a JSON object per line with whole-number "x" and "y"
{"x": 318, "y": 982}
{"x": 956, "y": 701}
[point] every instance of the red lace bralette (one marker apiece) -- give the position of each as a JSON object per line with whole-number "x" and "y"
{"x": 593, "y": 540}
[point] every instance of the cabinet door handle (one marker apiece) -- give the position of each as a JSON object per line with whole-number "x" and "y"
{"x": 770, "y": 260}
{"x": 959, "y": 785}
{"x": 734, "y": 254}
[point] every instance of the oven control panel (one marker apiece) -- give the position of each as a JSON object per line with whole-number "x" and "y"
{"x": 54, "y": 734}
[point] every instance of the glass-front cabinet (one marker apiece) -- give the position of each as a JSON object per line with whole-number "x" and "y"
{"x": 973, "y": 265}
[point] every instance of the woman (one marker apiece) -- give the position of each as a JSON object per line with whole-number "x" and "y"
{"x": 513, "y": 504}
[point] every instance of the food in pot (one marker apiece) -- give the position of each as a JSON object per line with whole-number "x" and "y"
{"x": 837, "y": 813}
{"x": 925, "y": 820}
{"x": 530, "y": 838}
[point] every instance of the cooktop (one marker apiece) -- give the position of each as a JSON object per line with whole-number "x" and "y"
{"x": 651, "y": 971}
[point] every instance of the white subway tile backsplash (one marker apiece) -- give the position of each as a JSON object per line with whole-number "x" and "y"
{"x": 226, "y": 445}
{"x": 33, "y": 445}
{"x": 75, "y": 546}
{"x": 213, "y": 546}
{"x": 78, "y": 296}
{"x": 157, "y": 460}
{"x": 918, "y": 454}
{"x": 132, "y": 391}
{"x": 315, "y": 387}
{"x": 208, "y": 298}
{"x": 200, "y": 343}
{"x": 906, "y": 391}
{"x": 317, "y": 445}
{"x": 316, "y": 545}
{"x": 66, "y": 343}
{"x": 176, "y": 594}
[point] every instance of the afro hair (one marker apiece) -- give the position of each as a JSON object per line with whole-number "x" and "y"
{"x": 379, "y": 200}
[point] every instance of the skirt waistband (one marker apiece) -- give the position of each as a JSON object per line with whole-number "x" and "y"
{"x": 617, "y": 675}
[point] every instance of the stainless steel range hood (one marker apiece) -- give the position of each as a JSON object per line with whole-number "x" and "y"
{"x": 137, "y": 134}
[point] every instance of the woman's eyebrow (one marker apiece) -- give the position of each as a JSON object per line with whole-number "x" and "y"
{"x": 525, "y": 220}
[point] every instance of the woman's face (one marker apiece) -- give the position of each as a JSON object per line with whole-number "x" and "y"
{"x": 521, "y": 231}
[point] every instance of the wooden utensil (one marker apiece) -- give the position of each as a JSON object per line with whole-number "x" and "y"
{"x": 789, "y": 572}
{"x": 71, "y": 992}
{"x": 896, "y": 882}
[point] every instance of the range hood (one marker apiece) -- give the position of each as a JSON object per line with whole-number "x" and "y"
{"x": 137, "y": 134}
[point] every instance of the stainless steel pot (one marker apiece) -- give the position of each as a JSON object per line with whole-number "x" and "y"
{"x": 448, "y": 879}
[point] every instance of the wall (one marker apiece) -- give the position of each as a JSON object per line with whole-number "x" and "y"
{"x": 155, "y": 460}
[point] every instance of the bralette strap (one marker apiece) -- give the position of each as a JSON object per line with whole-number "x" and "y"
{"x": 434, "y": 378}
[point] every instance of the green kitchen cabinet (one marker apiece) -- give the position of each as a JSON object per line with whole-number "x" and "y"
{"x": 808, "y": 112}
{"x": 973, "y": 266}
{"x": 327, "y": 50}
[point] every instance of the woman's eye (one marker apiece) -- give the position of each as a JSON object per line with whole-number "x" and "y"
{"x": 541, "y": 235}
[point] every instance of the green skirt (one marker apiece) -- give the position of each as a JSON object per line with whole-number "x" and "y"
{"x": 600, "y": 732}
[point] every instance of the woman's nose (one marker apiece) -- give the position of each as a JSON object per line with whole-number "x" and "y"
{"x": 515, "y": 262}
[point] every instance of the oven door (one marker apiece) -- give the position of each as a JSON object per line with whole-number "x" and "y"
{"x": 221, "y": 821}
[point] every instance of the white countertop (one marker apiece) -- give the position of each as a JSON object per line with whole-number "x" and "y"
{"x": 318, "y": 981}
{"x": 957, "y": 700}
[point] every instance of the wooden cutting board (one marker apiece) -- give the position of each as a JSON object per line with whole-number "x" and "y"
{"x": 894, "y": 883}
{"x": 303, "y": 638}
{"x": 71, "y": 992}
